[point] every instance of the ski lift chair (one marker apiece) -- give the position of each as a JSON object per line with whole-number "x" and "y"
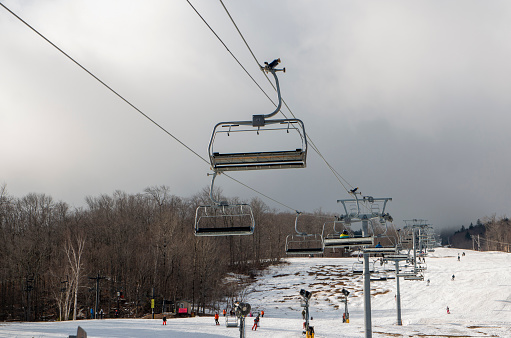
{"x": 223, "y": 219}
{"x": 380, "y": 249}
{"x": 231, "y": 321}
{"x": 378, "y": 277}
{"x": 407, "y": 274}
{"x": 419, "y": 277}
{"x": 302, "y": 243}
{"x": 422, "y": 266}
{"x": 259, "y": 160}
{"x": 337, "y": 241}
{"x": 260, "y": 124}
{"x": 397, "y": 257}
{"x": 358, "y": 267}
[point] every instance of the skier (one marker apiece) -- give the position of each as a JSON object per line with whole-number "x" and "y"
{"x": 256, "y": 321}
{"x": 164, "y": 320}
{"x": 448, "y": 312}
{"x": 452, "y": 277}
{"x": 216, "y": 319}
{"x": 262, "y": 313}
{"x": 428, "y": 283}
{"x": 458, "y": 257}
{"x": 344, "y": 234}
{"x": 225, "y": 312}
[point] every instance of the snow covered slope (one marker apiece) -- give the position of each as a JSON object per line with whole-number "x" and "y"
{"x": 479, "y": 300}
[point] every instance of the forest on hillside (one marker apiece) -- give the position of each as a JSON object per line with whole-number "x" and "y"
{"x": 126, "y": 249}
{"x": 134, "y": 246}
{"x": 491, "y": 234}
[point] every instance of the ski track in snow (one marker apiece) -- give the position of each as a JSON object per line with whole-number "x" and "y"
{"x": 479, "y": 300}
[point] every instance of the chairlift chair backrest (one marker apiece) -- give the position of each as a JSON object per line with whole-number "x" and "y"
{"x": 228, "y": 220}
{"x": 223, "y": 218}
{"x": 302, "y": 243}
{"x": 336, "y": 239}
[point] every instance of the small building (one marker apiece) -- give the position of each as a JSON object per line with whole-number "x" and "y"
{"x": 184, "y": 308}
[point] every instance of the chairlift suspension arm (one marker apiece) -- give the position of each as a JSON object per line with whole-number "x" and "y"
{"x": 267, "y": 116}
{"x": 259, "y": 120}
{"x": 211, "y": 190}
{"x": 296, "y": 225}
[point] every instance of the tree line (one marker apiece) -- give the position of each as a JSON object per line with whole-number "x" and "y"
{"x": 134, "y": 246}
{"x": 491, "y": 234}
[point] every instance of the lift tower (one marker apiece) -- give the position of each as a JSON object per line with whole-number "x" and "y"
{"x": 418, "y": 228}
{"x": 363, "y": 210}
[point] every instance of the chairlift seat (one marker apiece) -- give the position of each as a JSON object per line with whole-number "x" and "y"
{"x": 379, "y": 279}
{"x": 226, "y": 220}
{"x": 231, "y": 321}
{"x": 420, "y": 278}
{"x": 309, "y": 244}
{"x": 397, "y": 257}
{"x": 224, "y": 231}
{"x": 302, "y": 243}
{"x": 358, "y": 268}
{"x": 380, "y": 250}
{"x": 347, "y": 242}
{"x": 307, "y": 251}
{"x": 406, "y": 274}
{"x": 259, "y": 160}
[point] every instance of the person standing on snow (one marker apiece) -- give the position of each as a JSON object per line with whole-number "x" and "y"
{"x": 216, "y": 319}
{"x": 256, "y": 322}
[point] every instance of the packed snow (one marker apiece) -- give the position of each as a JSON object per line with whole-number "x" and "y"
{"x": 479, "y": 299}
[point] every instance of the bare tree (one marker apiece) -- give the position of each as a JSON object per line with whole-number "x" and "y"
{"x": 74, "y": 255}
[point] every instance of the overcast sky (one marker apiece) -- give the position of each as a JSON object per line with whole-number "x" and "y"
{"x": 409, "y": 100}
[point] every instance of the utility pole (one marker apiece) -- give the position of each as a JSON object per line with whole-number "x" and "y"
{"x": 152, "y": 302}
{"x": 367, "y": 286}
{"x": 28, "y": 287}
{"x": 97, "y": 278}
{"x": 398, "y": 295}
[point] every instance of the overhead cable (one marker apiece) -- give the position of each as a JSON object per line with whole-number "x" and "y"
{"x": 133, "y": 106}
{"x": 314, "y": 147}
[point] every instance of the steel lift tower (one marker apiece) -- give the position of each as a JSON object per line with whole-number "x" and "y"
{"x": 363, "y": 210}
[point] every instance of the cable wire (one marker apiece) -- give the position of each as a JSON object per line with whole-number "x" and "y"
{"x": 314, "y": 147}
{"x": 221, "y": 41}
{"x": 104, "y": 84}
{"x": 136, "y": 108}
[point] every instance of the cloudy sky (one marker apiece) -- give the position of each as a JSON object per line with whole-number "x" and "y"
{"x": 409, "y": 100}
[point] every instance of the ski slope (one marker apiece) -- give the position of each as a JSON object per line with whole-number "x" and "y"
{"x": 479, "y": 300}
